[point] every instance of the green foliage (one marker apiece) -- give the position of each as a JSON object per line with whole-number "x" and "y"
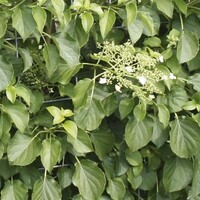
{"x": 99, "y": 99}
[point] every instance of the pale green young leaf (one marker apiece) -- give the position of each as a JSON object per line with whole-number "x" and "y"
{"x": 14, "y": 190}
{"x": 23, "y": 149}
{"x": 177, "y": 174}
{"x": 138, "y": 133}
{"x": 82, "y": 143}
{"x": 96, "y": 8}
{"x": 87, "y": 21}
{"x": 51, "y": 57}
{"x": 28, "y": 61}
{"x": 163, "y": 114}
{"x": 23, "y": 21}
{"x": 90, "y": 116}
{"x": 71, "y": 128}
{"x": 82, "y": 87}
{"x": 50, "y": 153}
{"x": 103, "y": 141}
{"x": 187, "y": 47}
{"x": 153, "y": 42}
{"x": 40, "y": 17}
{"x": 106, "y": 22}
{"x": 165, "y": 6}
{"x": 131, "y": 10}
{"x": 116, "y": 188}
{"x": 56, "y": 113}
{"x": 6, "y": 73}
{"x": 89, "y": 179}
{"x": 5, "y": 124}
{"x": 135, "y": 30}
{"x": 68, "y": 48}
{"x": 3, "y": 26}
{"x": 18, "y": 113}
{"x": 11, "y": 93}
{"x": 46, "y": 189}
{"x": 184, "y": 137}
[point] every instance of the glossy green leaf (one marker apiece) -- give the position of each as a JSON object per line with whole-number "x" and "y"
{"x": 23, "y": 149}
{"x": 194, "y": 63}
{"x": 195, "y": 81}
{"x": 135, "y": 181}
{"x": 140, "y": 111}
{"x": 149, "y": 179}
{"x": 116, "y": 188}
{"x": 182, "y": 6}
{"x": 37, "y": 100}
{"x": 184, "y": 137}
{"x": 165, "y": 6}
{"x": 6, "y": 73}
{"x": 81, "y": 143}
{"x": 177, "y": 174}
{"x": 153, "y": 42}
{"x": 40, "y": 17}
{"x": 187, "y": 47}
{"x": 131, "y": 10}
{"x": 82, "y": 87}
{"x": 106, "y": 22}
{"x": 68, "y": 48}
{"x": 195, "y": 191}
{"x": 11, "y": 93}
{"x": 163, "y": 114}
{"x": 46, "y": 189}
{"x": 160, "y": 135}
{"x": 138, "y": 133}
{"x": 125, "y": 107}
{"x": 133, "y": 158}
{"x": 3, "y": 26}
{"x": 24, "y": 92}
{"x": 87, "y": 21}
{"x": 5, "y": 124}
{"x": 90, "y": 116}
{"x": 23, "y": 21}
{"x": 135, "y": 30}
{"x": 14, "y": 190}
{"x": 2, "y": 149}
{"x": 89, "y": 179}
{"x": 59, "y": 6}
{"x": 51, "y": 57}
{"x": 18, "y": 113}
{"x": 50, "y": 153}
{"x": 28, "y": 61}
{"x": 64, "y": 176}
{"x": 103, "y": 141}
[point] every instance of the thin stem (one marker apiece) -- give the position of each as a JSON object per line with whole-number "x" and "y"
{"x": 181, "y": 20}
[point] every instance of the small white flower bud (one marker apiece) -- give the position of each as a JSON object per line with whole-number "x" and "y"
{"x": 118, "y": 88}
{"x": 171, "y": 76}
{"x": 103, "y": 80}
{"x": 142, "y": 80}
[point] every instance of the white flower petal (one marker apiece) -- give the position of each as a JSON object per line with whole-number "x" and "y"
{"x": 151, "y": 96}
{"x": 165, "y": 77}
{"x": 161, "y": 58}
{"x": 129, "y": 69}
{"x": 142, "y": 80}
{"x": 118, "y": 88}
{"x": 171, "y": 76}
{"x": 103, "y": 80}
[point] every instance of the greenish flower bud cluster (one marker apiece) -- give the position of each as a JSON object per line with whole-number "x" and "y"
{"x": 128, "y": 67}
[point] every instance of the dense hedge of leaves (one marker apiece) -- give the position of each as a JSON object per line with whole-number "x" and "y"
{"x": 83, "y": 116}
